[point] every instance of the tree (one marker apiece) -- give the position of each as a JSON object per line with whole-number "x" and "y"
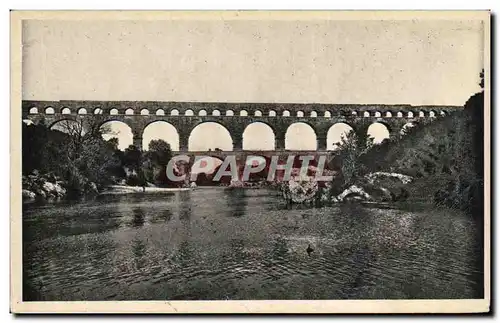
{"x": 349, "y": 152}
{"x": 156, "y": 161}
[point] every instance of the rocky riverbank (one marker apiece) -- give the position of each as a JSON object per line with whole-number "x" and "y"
{"x": 374, "y": 187}
{"x": 47, "y": 187}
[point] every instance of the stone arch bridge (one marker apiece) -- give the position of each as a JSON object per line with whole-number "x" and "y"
{"x": 235, "y": 117}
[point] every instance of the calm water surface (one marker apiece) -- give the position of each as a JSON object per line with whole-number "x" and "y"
{"x": 214, "y": 243}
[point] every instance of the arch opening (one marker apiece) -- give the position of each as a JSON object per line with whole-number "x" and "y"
{"x": 300, "y": 114}
{"x": 33, "y": 110}
{"x": 300, "y": 136}
{"x": 129, "y": 111}
{"x": 174, "y": 112}
{"x": 205, "y": 168}
{"x": 119, "y": 130}
{"x": 71, "y": 127}
{"x": 286, "y": 113}
{"x": 243, "y": 113}
{"x": 388, "y": 114}
{"x": 144, "y": 112}
{"x": 160, "y": 112}
{"x": 257, "y": 113}
{"x": 258, "y": 136}
{"x": 216, "y": 113}
{"x": 189, "y": 113}
{"x": 49, "y": 110}
{"x": 65, "y": 110}
{"x": 82, "y": 111}
{"x": 272, "y": 113}
{"x": 98, "y": 111}
{"x": 113, "y": 112}
{"x": 160, "y": 130}
{"x": 229, "y": 113}
{"x": 202, "y": 113}
{"x": 314, "y": 114}
{"x": 328, "y": 114}
{"x": 379, "y": 132}
{"x": 336, "y": 134}
{"x": 209, "y": 136}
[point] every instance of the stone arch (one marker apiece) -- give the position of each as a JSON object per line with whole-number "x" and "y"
{"x": 366, "y": 114}
{"x": 258, "y": 136}
{"x": 160, "y": 112}
{"x": 257, "y": 113}
{"x": 399, "y": 114}
{"x": 206, "y": 165}
{"x": 98, "y": 110}
{"x": 272, "y": 113}
{"x": 129, "y": 111}
{"x": 66, "y": 125}
{"x": 219, "y": 137}
{"x": 202, "y": 113}
{"x": 336, "y": 133}
{"x": 144, "y": 112}
{"x": 49, "y": 110}
{"x": 378, "y": 114}
{"x": 33, "y": 110}
{"x": 174, "y": 112}
{"x": 388, "y": 114}
{"x": 432, "y": 114}
{"x": 120, "y": 130}
{"x": 443, "y": 113}
{"x": 328, "y": 114}
{"x": 65, "y": 110}
{"x": 379, "y": 131}
{"x": 300, "y": 114}
{"x": 163, "y": 130}
{"x": 113, "y": 112}
{"x": 189, "y": 113}
{"x": 216, "y": 113}
{"x": 286, "y": 113}
{"x": 421, "y": 114}
{"x": 300, "y": 136}
{"x": 354, "y": 113}
{"x": 314, "y": 114}
{"x": 410, "y": 114}
{"x": 243, "y": 113}
{"x": 82, "y": 111}
{"x": 229, "y": 113}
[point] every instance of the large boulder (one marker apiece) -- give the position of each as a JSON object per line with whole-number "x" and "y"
{"x": 28, "y": 195}
{"x": 53, "y": 190}
{"x": 354, "y": 192}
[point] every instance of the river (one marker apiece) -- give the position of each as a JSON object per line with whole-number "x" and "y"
{"x": 218, "y": 244}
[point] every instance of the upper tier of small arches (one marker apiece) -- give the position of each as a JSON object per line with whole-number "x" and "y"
{"x": 242, "y": 112}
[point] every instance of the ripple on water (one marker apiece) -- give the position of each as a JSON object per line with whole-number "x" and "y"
{"x": 223, "y": 244}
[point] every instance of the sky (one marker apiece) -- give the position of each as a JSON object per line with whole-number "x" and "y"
{"x": 420, "y": 62}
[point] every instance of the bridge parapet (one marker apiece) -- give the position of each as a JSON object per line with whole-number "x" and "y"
{"x": 305, "y": 110}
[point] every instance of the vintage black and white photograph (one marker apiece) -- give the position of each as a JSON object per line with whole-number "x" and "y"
{"x": 246, "y": 156}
